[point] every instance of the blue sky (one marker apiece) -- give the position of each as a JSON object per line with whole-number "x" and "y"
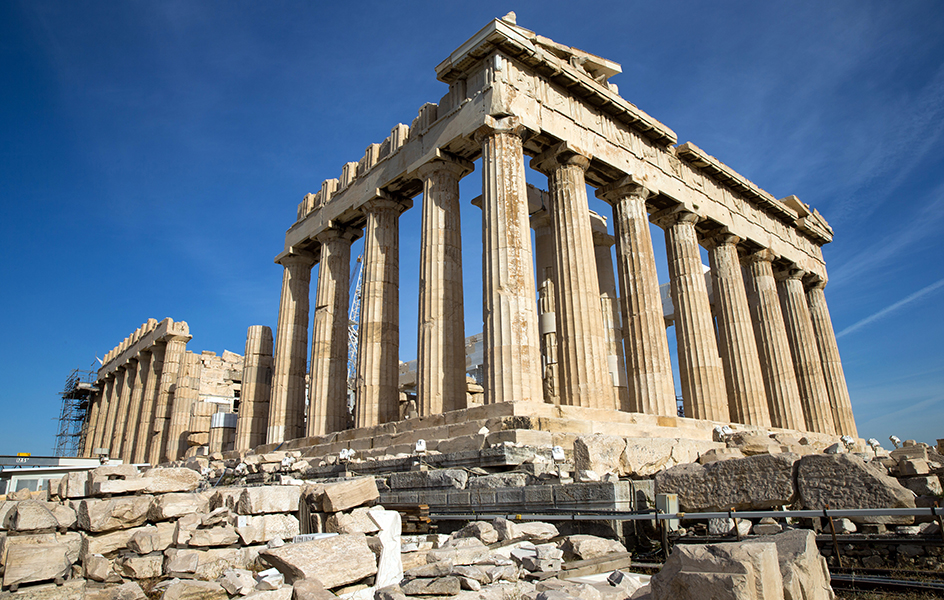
{"x": 152, "y": 155}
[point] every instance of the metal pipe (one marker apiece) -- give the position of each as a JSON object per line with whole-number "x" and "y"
{"x": 649, "y": 516}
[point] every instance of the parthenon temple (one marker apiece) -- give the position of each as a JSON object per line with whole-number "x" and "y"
{"x": 573, "y": 341}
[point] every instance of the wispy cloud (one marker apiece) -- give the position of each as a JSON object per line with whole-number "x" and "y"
{"x": 892, "y": 308}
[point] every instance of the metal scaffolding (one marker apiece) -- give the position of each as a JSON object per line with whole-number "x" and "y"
{"x": 80, "y": 385}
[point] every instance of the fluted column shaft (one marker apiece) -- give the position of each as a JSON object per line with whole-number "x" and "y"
{"x": 511, "y": 345}
{"x": 186, "y": 393}
{"x": 582, "y": 353}
{"x": 783, "y": 394}
{"x": 256, "y": 388}
{"x": 648, "y": 364}
{"x": 609, "y": 304}
{"x": 121, "y": 417}
{"x": 108, "y": 436}
{"x": 159, "y": 448}
{"x": 747, "y": 398}
{"x": 843, "y": 419}
{"x": 108, "y": 392}
{"x": 703, "y": 390}
{"x": 91, "y": 422}
{"x": 547, "y": 313}
{"x": 134, "y": 407}
{"x": 148, "y": 400}
{"x": 327, "y": 403}
{"x": 378, "y": 362}
{"x": 814, "y": 398}
{"x": 440, "y": 372}
{"x": 287, "y": 406}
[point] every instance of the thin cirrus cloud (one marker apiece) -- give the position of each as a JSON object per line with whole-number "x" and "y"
{"x": 892, "y": 308}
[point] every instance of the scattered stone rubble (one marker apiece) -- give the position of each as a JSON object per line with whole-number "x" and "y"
{"x": 274, "y": 525}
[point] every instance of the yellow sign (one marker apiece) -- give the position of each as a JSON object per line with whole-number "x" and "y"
{"x": 24, "y": 454}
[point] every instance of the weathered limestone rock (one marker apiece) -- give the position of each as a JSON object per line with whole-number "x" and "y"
{"x": 720, "y": 572}
{"x": 536, "y": 531}
{"x": 72, "y": 541}
{"x": 113, "y": 473}
{"x": 117, "y": 513}
{"x": 762, "y": 481}
{"x": 464, "y": 551}
{"x": 505, "y": 529}
{"x": 726, "y": 526}
{"x": 184, "y": 528}
{"x": 752, "y": 443}
{"x": 74, "y": 485}
{"x": 647, "y": 456}
{"x": 263, "y": 528}
{"x": 171, "y": 506}
{"x": 116, "y": 486}
{"x": 98, "y": 568}
{"x": 165, "y": 480}
{"x": 334, "y": 561}
{"x": 106, "y": 543}
{"x": 268, "y": 499}
{"x": 499, "y": 480}
{"x": 804, "y": 570}
{"x": 310, "y": 589}
{"x": 599, "y": 453}
{"x": 357, "y": 521}
{"x": 927, "y": 485}
{"x": 215, "y": 536}
{"x": 129, "y": 590}
{"x": 913, "y": 466}
{"x": 238, "y": 581}
{"x": 151, "y": 538}
{"x": 31, "y": 516}
{"x": 584, "y": 547}
{"x": 346, "y": 495}
{"x": 442, "y": 478}
{"x": 187, "y": 589}
{"x": 27, "y": 563}
{"x": 436, "y": 569}
{"x": 846, "y": 481}
{"x": 6, "y": 507}
{"x": 441, "y": 586}
{"x": 482, "y": 530}
{"x": 719, "y": 454}
{"x": 210, "y": 564}
{"x": 140, "y": 567}
{"x": 65, "y": 515}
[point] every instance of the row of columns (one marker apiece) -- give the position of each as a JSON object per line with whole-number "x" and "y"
{"x": 132, "y": 415}
{"x": 772, "y": 361}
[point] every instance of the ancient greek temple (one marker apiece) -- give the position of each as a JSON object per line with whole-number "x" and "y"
{"x": 563, "y": 326}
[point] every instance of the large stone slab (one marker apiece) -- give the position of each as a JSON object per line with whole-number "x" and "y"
{"x": 31, "y": 516}
{"x": 585, "y": 547}
{"x": 334, "y": 561}
{"x": 804, "y": 570}
{"x": 755, "y": 482}
{"x": 152, "y": 538}
{"x": 117, "y": 513}
{"x": 268, "y": 499}
{"x": 422, "y": 480}
{"x": 209, "y": 564}
{"x": 72, "y": 541}
{"x": 140, "y": 567}
{"x": 346, "y": 495}
{"x": 174, "y": 505}
{"x": 645, "y": 457}
{"x": 260, "y": 529}
{"x": 165, "y": 480}
{"x": 74, "y": 485}
{"x": 720, "y": 572}
{"x": 106, "y": 543}
{"x": 112, "y": 473}
{"x": 846, "y": 481}
{"x": 194, "y": 590}
{"x": 599, "y": 453}
{"x": 28, "y": 563}
{"x": 356, "y": 521}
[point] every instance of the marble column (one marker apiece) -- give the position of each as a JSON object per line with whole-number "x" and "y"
{"x": 121, "y": 417}
{"x": 649, "y": 368}
{"x": 747, "y": 398}
{"x": 108, "y": 436}
{"x": 547, "y": 313}
{"x": 773, "y": 348}
{"x": 839, "y": 400}
{"x": 703, "y": 391}
{"x": 610, "y": 307}
{"x": 814, "y": 398}
{"x": 186, "y": 393}
{"x": 148, "y": 400}
{"x": 91, "y": 421}
{"x": 134, "y": 407}
{"x": 287, "y": 405}
{"x": 440, "y": 371}
{"x": 327, "y": 401}
{"x": 159, "y": 445}
{"x": 511, "y": 345}
{"x": 256, "y": 388}
{"x": 108, "y": 389}
{"x": 378, "y": 362}
{"x": 582, "y": 351}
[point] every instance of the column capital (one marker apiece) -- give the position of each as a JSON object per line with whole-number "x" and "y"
{"x": 763, "y": 255}
{"x": 337, "y": 231}
{"x": 562, "y": 154}
{"x": 790, "y": 272}
{"x": 630, "y": 185}
{"x": 382, "y": 200}
{"x": 444, "y": 161}
{"x": 677, "y": 214}
{"x": 492, "y": 126}
{"x": 297, "y": 257}
{"x": 720, "y": 238}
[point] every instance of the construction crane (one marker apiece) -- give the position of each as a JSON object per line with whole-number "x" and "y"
{"x": 353, "y": 322}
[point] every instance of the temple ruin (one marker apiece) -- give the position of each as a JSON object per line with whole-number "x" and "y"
{"x": 572, "y": 343}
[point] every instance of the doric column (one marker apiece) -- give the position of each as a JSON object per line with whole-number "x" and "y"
{"x": 121, "y": 416}
{"x": 108, "y": 436}
{"x": 814, "y": 397}
{"x": 547, "y": 314}
{"x": 187, "y": 392}
{"x": 582, "y": 353}
{"x": 703, "y": 389}
{"x": 648, "y": 365}
{"x": 159, "y": 445}
{"x": 91, "y": 421}
{"x": 511, "y": 344}
{"x": 440, "y": 371}
{"x": 256, "y": 388}
{"x": 839, "y": 400}
{"x": 747, "y": 398}
{"x": 287, "y": 406}
{"x": 108, "y": 391}
{"x": 327, "y": 401}
{"x": 378, "y": 361}
{"x": 148, "y": 399}
{"x": 773, "y": 348}
{"x": 134, "y": 408}
{"x": 609, "y": 304}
